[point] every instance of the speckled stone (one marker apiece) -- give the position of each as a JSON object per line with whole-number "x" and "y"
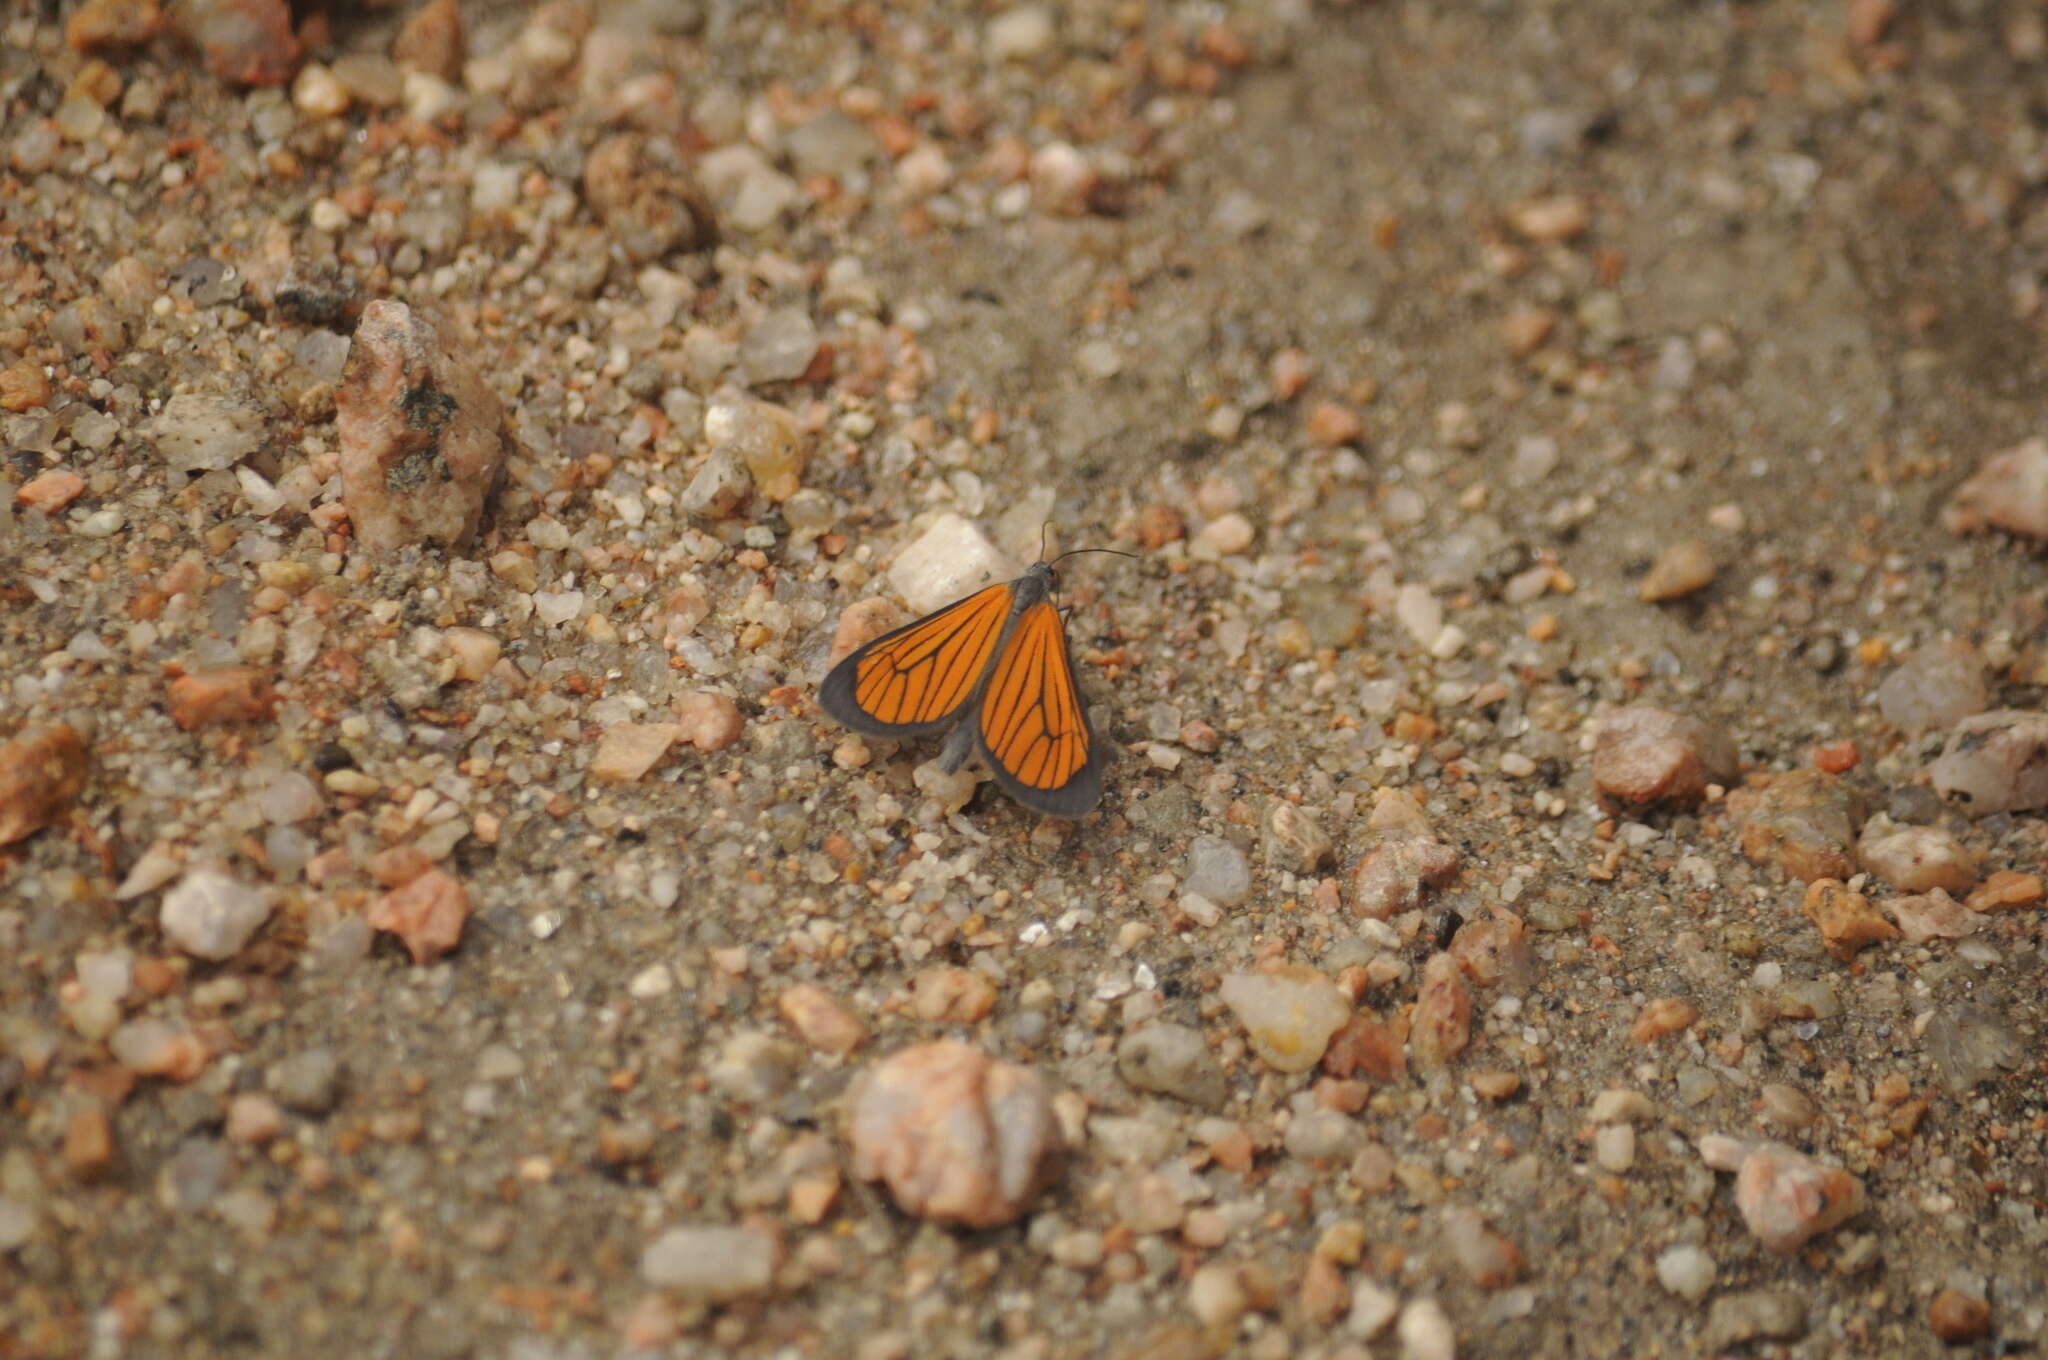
{"x": 420, "y": 439}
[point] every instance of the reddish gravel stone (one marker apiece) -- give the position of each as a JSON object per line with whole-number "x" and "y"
{"x": 1643, "y": 757}
{"x": 1846, "y": 919}
{"x": 1684, "y": 567}
{"x": 1837, "y": 757}
{"x": 1330, "y": 424}
{"x": 1370, "y": 1045}
{"x": 2006, "y": 890}
{"x": 432, "y": 40}
{"x": 41, "y": 771}
{"x": 240, "y": 694}
{"x": 427, "y": 914}
{"x": 101, "y": 24}
{"x": 1157, "y": 525}
{"x": 1493, "y": 949}
{"x": 1442, "y": 1024}
{"x": 1803, "y": 823}
{"x": 89, "y": 1144}
{"x": 398, "y": 865}
{"x": 51, "y": 491}
{"x": 246, "y": 42}
{"x": 648, "y": 204}
{"x": 1666, "y": 1015}
{"x": 1955, "y": 1317}
{"x": 420, "y": 439}
{"x": 1488, "y": 1258}
{"x": 861, "y": 623}
{"x": 23, "y": 386}
{"x": 1787, "y": 1198}
{"x": 952, "y": 996}
{"x": 707, "y": 720}
{"x": 821, "y": 1019}
{"x": 1396, "y": 877}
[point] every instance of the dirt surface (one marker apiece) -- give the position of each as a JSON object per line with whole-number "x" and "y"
{"x": 1397, "y": 340}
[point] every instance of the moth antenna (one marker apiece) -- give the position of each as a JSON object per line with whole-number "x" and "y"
{"x": 1076, "y": 552}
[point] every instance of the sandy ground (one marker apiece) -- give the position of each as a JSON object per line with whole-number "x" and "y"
{"x": 1397, "y": 340}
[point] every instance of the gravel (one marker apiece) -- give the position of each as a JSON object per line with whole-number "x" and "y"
{"x": 1574, "y": 701}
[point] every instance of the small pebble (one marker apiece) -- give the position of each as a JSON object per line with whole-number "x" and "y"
{"x": 1294, "y": 842}
{"x": 1425, "y": 1332}
{"x": 1803, "y": 823}
{"x": 89, "y": 1152}
{"x": 706, "y": 719}
{"x": 951, "y": 559}
{"x": 291, "y": 797}
{"x": 399, "y": 367}
{"x": 41, "y": 771}
{"x": 1217, "y": 870}
{"x": 2005, "y": 890}
{"x": 1171, "y": 1059}
{"x": 1486, "y": 1257}
{"x": 1665, "y": 1015}
{"x": 1995, "y": 762}
{"x": 308, "y": 1082}
{"x": 1971, "y": 1043}
{"x": 51, "y": 491}
{"x": 238, "y": 694}
{"x": 820, "y": 1019}
{"x": 1681, "y": 569}
{"x": 1614, "y": 1147}
{"x": 710, "y": 1263}
{"x": 2009, "y": 492}
{"x": 1373, "y": 1308}
{"x": 1779, "y": 1314}
{"x": 1916, "y": 859}
{"x": 158, "y": 1048}
{"x": 777, "y": 348}
{"x": 1788, "y": 1198}
{"x": 1442, "y": 1023}
{"x": 253, "y": 1119}
{"x": 1019, "y": 34}
{"x": 1290, "y": 1014}
{"x": 195, "y": 433}
{"x": 1957, "y": 1318}
{"x": 427, "y": 914}
{"x": 211, "y": 916}
{"x": 1938, "y": 686}
{"x": 957, "y": 1138}
{"x": 17, "y": 1223}
{"x": 1847, "y": 920}
{"x": 628, "y": 751}
{"x": 1686, "y": 1270}
{"x": 1644, "y": 757}
{"x": 1397, "y": 877}
{"x": 1931, "y": 916}
{"x": 1225, "y": 536}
